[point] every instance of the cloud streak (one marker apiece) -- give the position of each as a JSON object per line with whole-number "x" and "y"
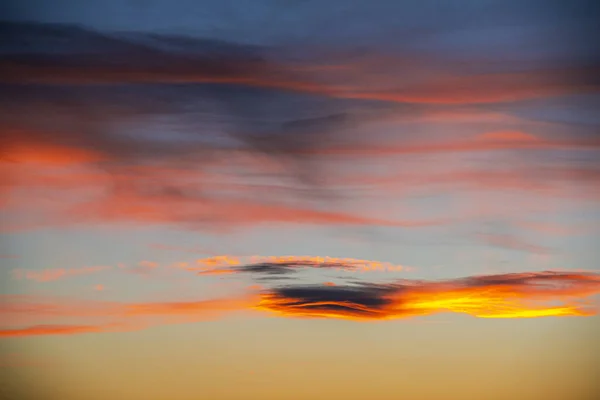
{"x": 53, "y": 274}
{"x": 482, "y": 143}
{"x": 208, "y": 135}
{"x": 282, "y": 265}
{"x": 373, "y": 78}
{"x": 40, "y": 330}
{"x": 515, "y": 295}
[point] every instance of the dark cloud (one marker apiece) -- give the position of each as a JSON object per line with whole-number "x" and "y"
{"x": 283, "y": 269}
{"x": 188, "y": 124}
{"x": 494, "y": 296}
{"x": 518, "y": 295}
{"x": 364, "y": 300}
{"x": 127, "y": 100}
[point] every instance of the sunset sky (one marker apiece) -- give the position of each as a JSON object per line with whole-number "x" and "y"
{"x": 265, "y": 199}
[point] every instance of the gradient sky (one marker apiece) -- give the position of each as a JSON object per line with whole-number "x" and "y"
{"x": 299, "y": 199}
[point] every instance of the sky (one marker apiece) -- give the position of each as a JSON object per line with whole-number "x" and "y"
{"x": 299, "y": 199}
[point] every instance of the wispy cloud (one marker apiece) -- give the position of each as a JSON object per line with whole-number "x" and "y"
{"x": 53, "y": 274}
{"x": 283, "y": 265}
{"x": 50, "y": 330}
{"x": 374, "y": 77}
{"x": 492, "y": 141}
{"x": 104, "y": 316}
{"x": 255, "y": 137}
{"x": 516, "y": 295}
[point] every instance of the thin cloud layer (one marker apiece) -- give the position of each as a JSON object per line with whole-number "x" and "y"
{"x": 516, "y": 295}
{"x": 284, "y": 265}
{"x": 50, "y": 330}
{"x": 57, "y": 314}
{"x": 122, "y": 58}
{"x": 53, "y": 274}
{"x": 482, "y": 143}
{"x": 201, "y": 134}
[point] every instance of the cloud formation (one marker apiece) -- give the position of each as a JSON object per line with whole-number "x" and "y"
{"x": 526, "y": 295}
{"x": 53, "y": 274}
{"x": 205, "y": 134}
{"x": 515, "y": 295}
{"x": 486, "y": 142}
{"x": 142, "y": 59}
{"x": 284, "y": 265}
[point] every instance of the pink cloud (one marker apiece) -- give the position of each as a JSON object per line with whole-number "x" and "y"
{"x": 482, "y": 143}
{"x": 508, "y": 136}
{"x": 50, "y": 330}
{"x": 108, "y": 316}
{"x": 53, "y": 274}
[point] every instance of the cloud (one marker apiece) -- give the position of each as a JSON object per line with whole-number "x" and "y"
{"x": 188, "y": 309}
{"x": 198, "y": 198}
{"x": 526, "y": 295}
{"x": 468, "y": 89}
{"x": 112, "y": 138}
{"x": 252, "y": 138}
{"x": 108, "y": 316}
{"x": 53, "y": 274}
{"x": 482, "y": 143}
{"x": 508, "y": 136}
{"x": 157, "y": 196}
{"x": 143, "y": 59}
{"x": 48, "y": 154}
{"x": 51, "y": 330}
{"x": 269, "y": 266}
{"x": 515, "y": 295}
{"x": 556, "y": 229}
{"x": 186, "y": 211}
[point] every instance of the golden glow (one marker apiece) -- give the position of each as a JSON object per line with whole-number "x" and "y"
{"x": 508, "y": 300}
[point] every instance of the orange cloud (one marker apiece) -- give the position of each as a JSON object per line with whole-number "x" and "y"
{"x": 189, "y": 308}
{"x": 228, "y": 264}
{"x": 516, "y": 295}
{"x": 47, "y": 154}
{"x": 51, "y": 330}
{"x": 509, "y": 136}
{"x": 111, "y": 316}
{"x": 52, "y": 274}
{"x": 530, "y": 183}
{"x": 526, "y": 295}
